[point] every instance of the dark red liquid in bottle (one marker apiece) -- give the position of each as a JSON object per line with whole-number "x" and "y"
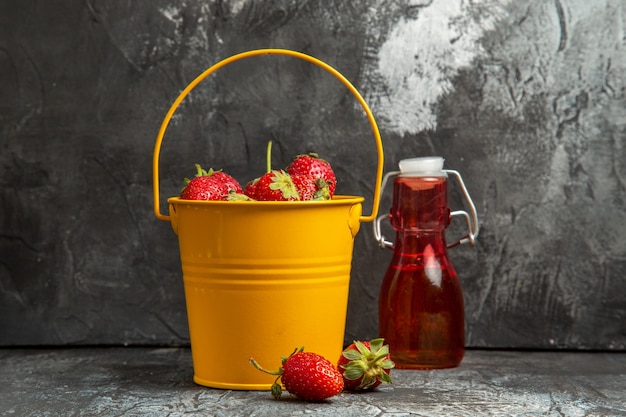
{"x": 421, "y": 311}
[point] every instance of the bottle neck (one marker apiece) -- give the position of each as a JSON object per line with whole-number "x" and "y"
{"x": 418, "y": 241}
{"x": 420, "y": 204}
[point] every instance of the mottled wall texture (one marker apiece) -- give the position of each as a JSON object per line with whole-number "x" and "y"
{"x": 525, "y": 98}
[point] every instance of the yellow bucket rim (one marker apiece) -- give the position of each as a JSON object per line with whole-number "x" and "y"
{"x": 336, "y": 199}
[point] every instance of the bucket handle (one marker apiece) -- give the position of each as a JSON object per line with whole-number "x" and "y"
{"x": 256, "y": 52}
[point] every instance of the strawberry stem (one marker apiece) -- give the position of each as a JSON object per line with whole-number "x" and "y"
{"x": 199, "y": 171}
{"x": 269, "y": 156}
{"x": 275, "y": 389}
{"x": 257, "y": 366}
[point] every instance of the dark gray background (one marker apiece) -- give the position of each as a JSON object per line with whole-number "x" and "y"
{"x": 525, "y": 99}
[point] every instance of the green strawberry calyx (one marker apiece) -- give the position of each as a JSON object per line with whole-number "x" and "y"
{"x": 283, "y": 182}
{"x": 368, "y": 363}
{"x": 323, "y": 192}
{"x": 276, "y": 388}
{"x": 201, "y": 172}
{"x": 235, "y": 196}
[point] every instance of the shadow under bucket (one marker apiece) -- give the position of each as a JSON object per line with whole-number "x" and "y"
{"x": 263, "y": 278}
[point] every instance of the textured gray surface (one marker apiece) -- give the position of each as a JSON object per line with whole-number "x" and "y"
{"x": 525, "y": 99}
{"x": 146, "y": 381}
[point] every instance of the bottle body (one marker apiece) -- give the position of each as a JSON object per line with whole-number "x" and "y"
{"x": 421, "y": 309}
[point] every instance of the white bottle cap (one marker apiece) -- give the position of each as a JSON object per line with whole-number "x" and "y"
{"x": 422, "y": 166}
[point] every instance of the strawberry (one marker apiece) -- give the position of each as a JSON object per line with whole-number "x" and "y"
{"x": 307, "y": 375}
{"x": 276, "y": 185}
{"x": 209, "y": 185}
{"x": 365, "y": 365}
{"x": 312, "y": 166}
{"x": 250, "y": 188}
{"x": 310, "y": 189}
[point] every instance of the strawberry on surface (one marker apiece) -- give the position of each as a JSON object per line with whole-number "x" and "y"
{"x": 312, "y": 166}
{"x": 307, "y": 375}
{"x": 276, "y": 185}
{"x": 365, "y": 365}
{"x": 209, "y": 185}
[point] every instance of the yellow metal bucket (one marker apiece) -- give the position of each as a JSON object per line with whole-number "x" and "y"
{"x": 262, "y": 277}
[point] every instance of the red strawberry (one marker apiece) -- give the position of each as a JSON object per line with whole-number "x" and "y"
{"x": 209, "y": 185}
{"x": 365, "y": 365}
{"x": 276, "y": 185}
{"x": 228, "y": 182}
{"x": 306, "y": 375}
{"x": 312, "y": 166}
{"x": 250, "y": 189}
{"x": 310, "y": 189}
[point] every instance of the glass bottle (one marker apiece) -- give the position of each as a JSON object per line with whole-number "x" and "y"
{"x": 421, "y": 310}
